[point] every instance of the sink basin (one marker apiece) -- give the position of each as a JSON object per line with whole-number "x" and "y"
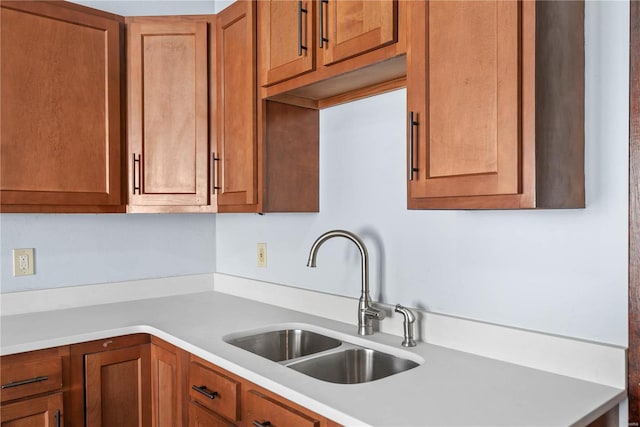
{"x": 353, "y": 366}
{"x": 285, "y": 344}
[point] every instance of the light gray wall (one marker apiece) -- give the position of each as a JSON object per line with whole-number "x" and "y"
{"x": 562, "y": 272}
{"x": 85, "y": 249}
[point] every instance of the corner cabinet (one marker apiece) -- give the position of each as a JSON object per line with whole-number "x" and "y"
{"x": 192, "y": 112}
{"x": 168, "y": 113}
{"x": 236, "y": 160}
{"x": 110, "y": 382}
{"x": 60, "y": 99}
{"x": 495, "y": 100}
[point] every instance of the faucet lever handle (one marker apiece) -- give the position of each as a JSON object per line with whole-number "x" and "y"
{"x": 375, "y": 313}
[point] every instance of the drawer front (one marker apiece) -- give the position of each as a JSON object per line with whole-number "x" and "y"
{"x": 214, "y": 391}
{"x": 39, "y": 411}
{"x": 29, "y": 378}
{"x": 201, "y": 417}
{"x": 262, "y": 410}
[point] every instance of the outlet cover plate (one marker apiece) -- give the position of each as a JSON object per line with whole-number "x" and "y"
{"x": 23, "y": 262}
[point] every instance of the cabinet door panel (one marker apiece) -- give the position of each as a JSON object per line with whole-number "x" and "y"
{"x": 168, "y": 113}
{"x": 285, "y": 31}
{"x": 466, "y": 99}
{"x": 354, "y": 27}
{"x": 60, "y": 106}
{"x": 200, "y": 417}
{"x": 265, "y": 410}
{"x": 36, "y": 412}
{"x": 237, "y": 148}
{"x": 167, "y": 386}
{"x": 117, "y": 387}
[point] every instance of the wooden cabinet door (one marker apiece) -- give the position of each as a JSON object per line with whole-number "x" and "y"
{"x": 60, "y": 108}
{"x": 168, "y": 113}
{"x": 236, "y": 167}
{"x": 286, "y": 41}
{"x": 200, "y": 417}
{"x": 267, "y": 411}
{"x": 463, "y": 98}
{"x": 167, "y": 386}
{"x": 349, "y": 28}
{"x": 43, "y": 411}
{"x": 117, "y": 387}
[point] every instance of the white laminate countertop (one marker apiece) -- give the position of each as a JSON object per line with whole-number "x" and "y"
{"x": 451, "y": 388}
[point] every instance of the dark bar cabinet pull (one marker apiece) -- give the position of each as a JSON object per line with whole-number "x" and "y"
{"x": 203, "y": 390}
{"x": 301, "y": 10}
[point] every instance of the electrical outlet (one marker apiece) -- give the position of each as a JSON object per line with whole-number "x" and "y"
{"x": 23, "y": 262}
{"x": 262, "y": 254}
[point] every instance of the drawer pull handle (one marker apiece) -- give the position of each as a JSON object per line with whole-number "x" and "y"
{"x": 259, "y": 424}
{"x": 58, "y": 418}
{"x": 24, "y": 382}
{"x": 203, "y": 390}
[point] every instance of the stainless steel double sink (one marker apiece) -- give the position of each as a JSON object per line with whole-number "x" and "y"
{"x": 323, "y": 357}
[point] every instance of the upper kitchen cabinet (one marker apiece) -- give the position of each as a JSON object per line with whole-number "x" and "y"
{"x": 495, "y": 94}
{"x": 313, "y": 51}
{"x": 60, "y": 108}
{"x": 236, "y": 159}
{"x": 168, "y": 95}
{"x": 192, "y": 112}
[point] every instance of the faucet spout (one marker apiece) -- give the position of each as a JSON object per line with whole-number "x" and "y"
{"x": 366, "y": 312}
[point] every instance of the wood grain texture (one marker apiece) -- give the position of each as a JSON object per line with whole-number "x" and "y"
{"x": 74, "y": 396}
{"x": 467, "y": 137}
{"x": 325, "y": 75}
{"x": 237, "y": 174}
{"x": 60, "y": 138}
{"x": 227, "y": 401}
{"x": 168, "y": 384}
{"x": 117, "y": 387}
{"x": 634, "y": 217}
{"x": 168, "y": 112}
{"x": 357, "y": 27}
{"x": 278, "y": 41}
{"x": 559, "y": 107}
{"x": 291, "y": 159}
{"x": 34, "y": 412}
{"x": 201, "y": 417}
{"x": 264, "y": 410}
{"x": 533, "y": 158}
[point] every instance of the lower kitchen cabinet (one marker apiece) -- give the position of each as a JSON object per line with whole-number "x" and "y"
{"x": 136, "y": 381}
{"x": 111, "y": 379}
{"x": 38, "y": 411}
{"x": 32, "y": 385}
{"x": 168, "y": 384}
{"x": 265, "y": 411}
{"x": 201, "y": 417}
{"x": 214, "y": 389}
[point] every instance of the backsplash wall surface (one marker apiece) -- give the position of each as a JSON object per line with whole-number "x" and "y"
{"x": 77, "y": 249}
{"x": 557, "y": 271}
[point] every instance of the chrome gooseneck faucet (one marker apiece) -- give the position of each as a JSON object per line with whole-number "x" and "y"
{"x": 366, "y": 312}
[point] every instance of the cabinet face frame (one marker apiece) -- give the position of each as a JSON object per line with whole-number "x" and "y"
{"x": 103, "y": 193}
